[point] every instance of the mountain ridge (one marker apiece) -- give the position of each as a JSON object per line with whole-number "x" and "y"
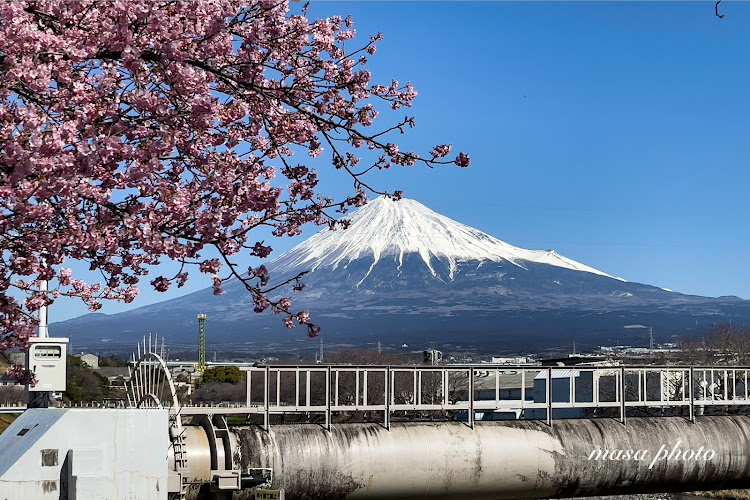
{"x": 403, "y": 272}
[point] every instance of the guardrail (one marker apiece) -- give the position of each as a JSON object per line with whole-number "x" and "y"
{"x": 15, "y": 408}
{"x": 470, "y": 389}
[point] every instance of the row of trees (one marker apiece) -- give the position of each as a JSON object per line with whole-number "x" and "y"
{"x": 221, "y": 383}
{"x": 725, "y": 344}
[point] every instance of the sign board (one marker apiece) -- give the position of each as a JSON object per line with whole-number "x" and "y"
{"x": 269, "y": 494}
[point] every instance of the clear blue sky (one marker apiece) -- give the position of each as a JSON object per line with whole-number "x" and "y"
{"x": 615, "y": 133}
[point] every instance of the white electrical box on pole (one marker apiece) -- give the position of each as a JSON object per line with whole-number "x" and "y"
{"x": 46, "y": 358}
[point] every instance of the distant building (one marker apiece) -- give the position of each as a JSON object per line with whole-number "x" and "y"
{"x": 575, "y": 359}
{"x": 509, "y": 386}
{"x": 516, "y": 360}
{"x": 116, "y": 376}
{"x": 6, "y": 380}
{"x": 90, "y": 359}
{"x": 561, "y": 392}
{"x": 503, "y": 384}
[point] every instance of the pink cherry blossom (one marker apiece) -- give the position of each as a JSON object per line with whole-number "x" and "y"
{"x": 134, "y": 132}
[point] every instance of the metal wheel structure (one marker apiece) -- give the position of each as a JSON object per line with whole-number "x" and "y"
{"x": 151, "y": 386}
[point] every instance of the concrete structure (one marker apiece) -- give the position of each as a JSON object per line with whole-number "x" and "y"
{"x": 126, "y": 454}
{"x": 191, "y": 453}
{"x": 85, "y": 455}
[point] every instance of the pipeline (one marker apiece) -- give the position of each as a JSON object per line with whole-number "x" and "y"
{"x": 495, "y": 460}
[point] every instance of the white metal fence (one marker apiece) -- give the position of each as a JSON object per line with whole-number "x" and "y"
{"x": 472, "y": 389}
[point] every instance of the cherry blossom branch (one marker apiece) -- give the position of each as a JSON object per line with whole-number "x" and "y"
{"x": 133, "y": 132}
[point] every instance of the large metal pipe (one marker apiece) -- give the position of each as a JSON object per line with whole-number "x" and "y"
{"x": 198, "y": 454}
{"x": 497, "y": 460}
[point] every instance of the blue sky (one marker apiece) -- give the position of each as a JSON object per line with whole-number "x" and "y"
{"x": 615, "y": 133}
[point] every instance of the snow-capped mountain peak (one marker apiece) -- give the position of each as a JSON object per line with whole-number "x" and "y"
{"x": 395, "y": 228}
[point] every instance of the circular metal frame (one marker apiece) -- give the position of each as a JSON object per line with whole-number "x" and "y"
{"x": 151, "y": 384}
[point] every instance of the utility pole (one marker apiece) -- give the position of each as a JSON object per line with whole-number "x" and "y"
{"x": 43, "y": 331}
{"x": 650, "y": 338}
{"x": 201, "y": 342}
{"x": 320, "y": 359}
{"x": 42, "y": 399}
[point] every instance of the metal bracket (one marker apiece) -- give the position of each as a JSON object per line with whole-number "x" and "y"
{"x": 265, "y": 472}
{"x": 225, "y": 480}
{"x": 256, "y": 477}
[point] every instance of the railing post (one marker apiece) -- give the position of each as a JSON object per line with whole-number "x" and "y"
{"x": 497, "y": 387}
{"x": 356, "y": 387}
{"x": 726, "y": 385}
{"x": 248, "y": 388}
{"x": 444, "y": 382}
{"x": 364, "y": 387}
{"x": 278, "y": 388}
{"x": 336, "y": 389}
{"x": 418, "y": 396}
{"x": 388, "y": 397}
{"x": 622, "y": 394}
{"x": 692, "y": 402}
{"x": 713, "y": 389}
{"x": 595, "y": 383}
{"x": 267, "y": 399}
{"x": 548, "y": 395}
{"x": 573, "y": 388}
{"x": 328, "y": 398}
{"x": 296, "y": 387}
{"x": 471, "y": 397}
{"x": 414, "y": 388}
{"x": 308, "y": 392}
{"x": 642, "y": 397}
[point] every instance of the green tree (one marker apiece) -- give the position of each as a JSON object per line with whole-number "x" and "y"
{"x": 83, "y": 383}
{"x": 112, "y": 361}
{"x": 222, "y": 375}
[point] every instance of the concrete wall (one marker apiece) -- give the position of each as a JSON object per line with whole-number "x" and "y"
{"x": 516, "y": 459}
{"x": 85, "y": 454}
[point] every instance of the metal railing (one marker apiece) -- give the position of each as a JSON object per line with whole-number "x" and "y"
{"x": 467, "y": 390}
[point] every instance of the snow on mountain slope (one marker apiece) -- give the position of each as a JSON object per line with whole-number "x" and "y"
{"x": 387, "y": 228}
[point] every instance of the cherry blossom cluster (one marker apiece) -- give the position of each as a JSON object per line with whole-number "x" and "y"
{"x": 142, "y": 130}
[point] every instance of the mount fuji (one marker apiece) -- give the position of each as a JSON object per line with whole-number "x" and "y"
{"x": 402, "y": 273}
